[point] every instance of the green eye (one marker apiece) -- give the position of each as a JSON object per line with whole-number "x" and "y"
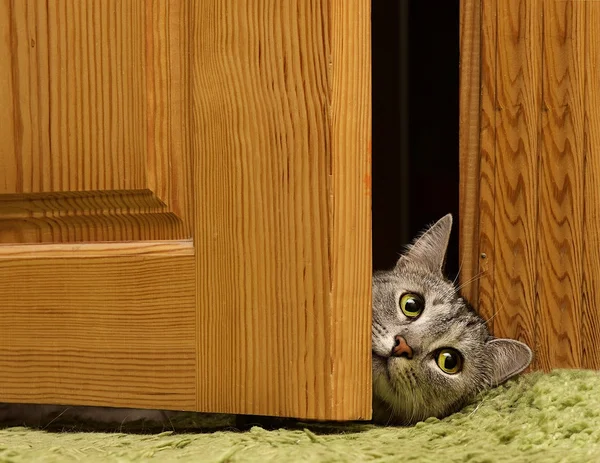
{"x": 411, "y": 305}
{"x": 449, "y": 361}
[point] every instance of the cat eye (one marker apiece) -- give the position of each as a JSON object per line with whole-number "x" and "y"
{"x": 449, "y": 361}
{"x": 411, "y": 305}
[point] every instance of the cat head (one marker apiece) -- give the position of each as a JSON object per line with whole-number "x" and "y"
{"x": 431, "y": 351}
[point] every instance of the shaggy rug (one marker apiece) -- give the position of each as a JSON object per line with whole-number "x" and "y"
{"x": 551, "y": 417}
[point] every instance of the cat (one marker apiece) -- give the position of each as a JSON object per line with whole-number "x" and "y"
{"x": 431, "y": 352}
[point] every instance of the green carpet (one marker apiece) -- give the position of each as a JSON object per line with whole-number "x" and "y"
{"x": 540, "y": 417}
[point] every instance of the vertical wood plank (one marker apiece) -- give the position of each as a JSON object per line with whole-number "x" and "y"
{"x": 518, "y": 83}
{"x": 469, "y": 127}
{"x": 487, "y": 162}
{"x": 263, "y": 274}
{"x": 167, "y": 157}
{"x": 279, "y": 90}
{"x": 561, "y": 187}
{"x": 590, "y": 312}
{"x": 350, "y": 208}
{"x": 11, "y": 175}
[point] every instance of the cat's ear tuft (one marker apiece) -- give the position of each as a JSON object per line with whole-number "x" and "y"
{"x": 509, "y": 358}
{"x": 429, "y": 250}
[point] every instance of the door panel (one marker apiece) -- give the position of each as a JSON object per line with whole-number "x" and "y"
{"x": 203, "y": 200}
{"x": 91, "y": 110}
{"x": 104, "y": 324}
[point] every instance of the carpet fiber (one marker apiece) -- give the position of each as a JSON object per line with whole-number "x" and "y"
{"x": 540, "y": 417}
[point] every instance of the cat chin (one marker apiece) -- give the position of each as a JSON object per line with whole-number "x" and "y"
{"x": 393, "y": 403}
{"x": 385, "y": 388}
{"x": 390, "y": 408}
{"x": 381, "y": 373}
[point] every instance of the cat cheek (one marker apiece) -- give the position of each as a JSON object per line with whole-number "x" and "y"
{"x": 382, "y": 345}
{"x": 378, "y": 364}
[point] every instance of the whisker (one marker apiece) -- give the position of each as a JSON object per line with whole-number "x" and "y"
{"x": 492, "y": 317}
{"x": 57, "y": 417}
{"x": 477, "y": 407}
{"x": 497, "y": 311}
{"x": 476, "y": 277}
{"x": 457, "y": 273}
{"x": 456, "y": 289}
{"x": 391, "y": 410}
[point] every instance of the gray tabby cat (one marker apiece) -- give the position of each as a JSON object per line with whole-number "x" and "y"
{"x": 432, "y": 353}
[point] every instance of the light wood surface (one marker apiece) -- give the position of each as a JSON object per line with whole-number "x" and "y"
{"x": 74, "y": 100}
{"x": 71, "y": 217}
{"x": 282, "y": 131}
{"x": 349, "y": 237}
{"x": 484, "y": 239}
{"x": 92, "y": 101}
{"x": 590, "y": 321}
{"x": 537, "y": 220}
{"x": 107, "y": 249}
{"x": 470, "y": 75}
{"x": 168, "y": 161}
{"x": 515, "y": 198}
{"x": 192, "y": 230}
{"x": 114, "y": 331}
{"x": 561, "y": 185}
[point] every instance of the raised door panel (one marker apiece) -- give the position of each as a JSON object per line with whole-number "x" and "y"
{"x": 99, "y": 324}
{"x": 92, "y": 108}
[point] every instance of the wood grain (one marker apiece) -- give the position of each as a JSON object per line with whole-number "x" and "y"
{"x": 249, "y": 121}
{"x": 71, "y": 217}
{"x": 590, "y": 304}
{"x": 488, "y": 125}
{"x": 115, "y": 331}
{"x": 561, "y": 187}
{"x": 77, "y": 251}
{"x": 167, "y": 160}
{"x": 469, "y": 126}
{"x": 518, "y": 82}
{"x": 545, "y": 196}
{"x": 75, "y": 96}
{"x": 350, "y": 209}
{"x": 280, "y": 134}
{"x": 93, "y": 98}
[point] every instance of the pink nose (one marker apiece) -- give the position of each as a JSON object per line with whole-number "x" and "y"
{"x": 401, "y": 348}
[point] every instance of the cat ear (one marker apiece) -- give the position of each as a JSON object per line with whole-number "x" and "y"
{"x": 429, "y": 250}
{"x": 509, "y": 357}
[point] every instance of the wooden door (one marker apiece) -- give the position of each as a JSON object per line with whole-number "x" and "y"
{"x": 185, "y": 205}
{"x": 530, "y": 173}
